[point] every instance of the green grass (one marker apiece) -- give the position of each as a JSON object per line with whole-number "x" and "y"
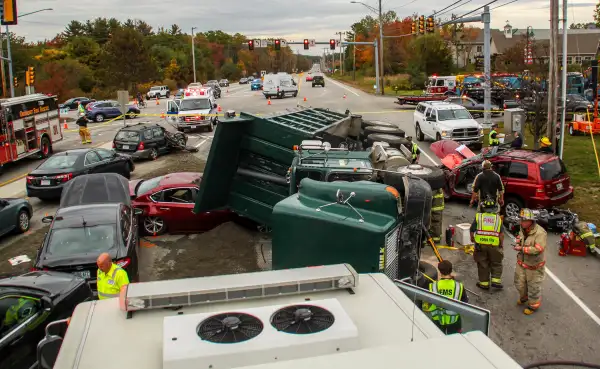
{"x": 366, "y": 84}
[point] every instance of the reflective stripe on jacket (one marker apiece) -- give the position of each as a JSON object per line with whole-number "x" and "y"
{"x": 437, "y": 202}
{"x": 414, "y": 150}
{"x": 488, "y": 230}
{"x": 451, "y": 289}
{"x": 109, "y": 284}
{"x": 493, "y": 141}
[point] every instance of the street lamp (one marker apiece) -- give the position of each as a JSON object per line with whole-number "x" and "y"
{"x": 380, "y": 87}
{"x": 193, "y": 54}
{"x": 9, "y": 53}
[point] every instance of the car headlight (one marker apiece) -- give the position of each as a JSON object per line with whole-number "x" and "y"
{"x": 446, "y": 133}
{"x": 480, "y": 131}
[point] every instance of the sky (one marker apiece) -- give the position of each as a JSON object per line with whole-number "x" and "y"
{"x": 292, "y": 20}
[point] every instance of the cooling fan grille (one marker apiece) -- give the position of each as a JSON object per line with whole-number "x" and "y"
{"x": 302, "y": 319}
{"x": 229, "y": 328}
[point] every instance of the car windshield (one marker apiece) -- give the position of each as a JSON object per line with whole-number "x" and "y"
{"x": 471, "y": 80}
{"x": 452, "y": 114}
{"x": 195, "y": 104}
{"x": 155, "y": 88}
{"x": 552, "y": 169}
{"x": 59, "y": 162}
{"x": 148, "y": 185}
{"x": 65, "y": 242}
{"x": 132, "y": 136}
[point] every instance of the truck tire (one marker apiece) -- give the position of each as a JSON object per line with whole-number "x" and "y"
{"x": 394, "y": 141}
{"x": 384, "y": 129}
{"x": 434, "y": 176}
{"x": 429, "y": 270}
{"x": 369, "y": 123}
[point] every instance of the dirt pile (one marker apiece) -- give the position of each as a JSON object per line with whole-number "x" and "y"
{"x": 179, "y": 161}
{"x": 227, "y": 249}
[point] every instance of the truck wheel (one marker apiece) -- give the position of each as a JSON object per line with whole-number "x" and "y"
{"x": 429, "y": 270}
{"x": 45, "y": 147}
{"x": 368, "y": 123}
{"x": 387, "y": 130}
{"x": 394, "y": 141}
{"x": 419, "y": 133}
{"x": 434, "y": 176}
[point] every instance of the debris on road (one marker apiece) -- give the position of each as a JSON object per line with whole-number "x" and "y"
{"x": 179, "y": 161}
{"x": 19, "y": 246}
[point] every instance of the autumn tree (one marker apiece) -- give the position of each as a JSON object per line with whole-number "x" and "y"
{"x": 427, "y": 55}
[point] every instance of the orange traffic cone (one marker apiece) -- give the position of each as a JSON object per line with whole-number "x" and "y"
{"x": 269, "y": 101}
{"x": 157, "y": 103}
{"x": 305, "y": 98}
{"x": 66, "y": 126}
{"x": 219, "y": 109}
{"x": 163, "y": 116}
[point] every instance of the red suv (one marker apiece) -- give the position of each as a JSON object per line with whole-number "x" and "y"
{"x": 531, "y": 179}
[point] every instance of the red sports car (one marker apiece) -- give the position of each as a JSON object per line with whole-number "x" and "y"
{"x": 168, "y": 201}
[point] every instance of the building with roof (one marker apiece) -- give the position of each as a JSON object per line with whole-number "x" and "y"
{"x": 582, "y": 44}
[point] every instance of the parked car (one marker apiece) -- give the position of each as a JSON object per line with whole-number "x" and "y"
{"x": 15, "y": 214}
{"x": 158, "y": 92}
{"x": 141, "y": 141}
{"x": 166, "y": 204}
{"x": 531, "y": 179}
{"x": 224, "y": 83}
{"x": 74, "y": 102}
{"x": 473, "y": 106}
{"x": 48, "y": 179}
{"x": 256, "y": 85}
{"x": 95, "y": 216}
{"x": 243, "y": 81}
{"x": 52, "y": 296}
{"x": 102, "y": 110}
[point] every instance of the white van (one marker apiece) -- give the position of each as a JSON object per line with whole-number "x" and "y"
{"x": 440, "y": 120}
{"x": 279, "y": 86}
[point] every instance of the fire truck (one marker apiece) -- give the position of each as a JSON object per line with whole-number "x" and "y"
{"x": 29, "y": 125}
{"x": 445, "y": 85}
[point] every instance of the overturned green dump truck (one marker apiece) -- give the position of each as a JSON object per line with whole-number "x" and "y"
{"x": 304, "y": 175}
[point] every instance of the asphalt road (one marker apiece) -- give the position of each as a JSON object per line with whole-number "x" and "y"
{"x": 567, "y": 325}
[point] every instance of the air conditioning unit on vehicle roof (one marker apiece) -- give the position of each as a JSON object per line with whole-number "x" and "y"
{"x": 237, "y": 338}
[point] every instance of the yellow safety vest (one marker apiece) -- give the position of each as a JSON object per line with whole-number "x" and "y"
{"x": 109, "y": 284}
{"x": 451, "y": 289}
{"x": 415, "y": 147}
{"x": 493, "y": 141}
{"x": 488, "y": 229}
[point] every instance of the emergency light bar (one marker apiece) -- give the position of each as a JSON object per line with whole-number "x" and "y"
{"x": 204, "y": 290}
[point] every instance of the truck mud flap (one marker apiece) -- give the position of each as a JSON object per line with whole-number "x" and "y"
{"x": 417, "y": 208}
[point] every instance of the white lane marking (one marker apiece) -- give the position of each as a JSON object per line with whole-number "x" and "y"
{"x": 342, "y": 86}
{"x": 569, "y": 293}
{"x": 201, "y": 143}
{"x": 427, "y": 156}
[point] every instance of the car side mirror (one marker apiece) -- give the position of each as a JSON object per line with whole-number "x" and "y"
{"x": 47, "y": 303}
{"x": 47, "y": 219}
{"x": 138, "y": 211}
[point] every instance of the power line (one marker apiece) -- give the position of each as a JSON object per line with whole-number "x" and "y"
{"x": 510, "y": 2}
{"x": 456, "y": 7}
{"x": 449, "y": 6}
{"x": 474, "y": 10}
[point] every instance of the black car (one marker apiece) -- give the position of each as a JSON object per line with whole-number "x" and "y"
{"x": 216, "y": 88}
{"x": 318, "y": 80}
{"x": 141, "y": 141}
{"x": 95, "y": 216}
{"x": 72, "y": 103}
{"x": 51, "y": 296}
{"x": 49, "y": 178}
{"x": 473, "y": 106}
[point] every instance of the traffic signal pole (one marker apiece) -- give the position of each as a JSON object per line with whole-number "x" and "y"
{"x": 378, "y": 87}
{"x": 487, "y": 83}
{"x": 10, "y": 63}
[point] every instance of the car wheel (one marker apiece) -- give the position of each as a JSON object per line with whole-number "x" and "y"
{"x": 386, "y": 130}
{"x": 434, "y": 176}
{"x": 438, "y": 137}
{"x": 394, "y": 141}
{"x": 23, "y": 221}
{"x": 211, "y": 127}
{"x": 45, "y": 147}
{"x": 419, "y": 133}
{"x": 99, "y": 118}
{"x": 513, "y": 206}
{"x": 168, "y": 95}
{"x": 154, "y": 226}
{"x": 153, "y": 153}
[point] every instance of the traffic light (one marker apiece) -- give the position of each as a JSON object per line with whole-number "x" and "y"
{"x": 430, "y": 25}
{"x": 16, "y": 82}
{"x": 413, "y": 28}
{"x": 251, "y": 45}
{"x": 306, "y": 44}
{"x": 277, "y": 45}
{"x": 332, "y": 44}
{"x": 31, "y": 71}
{"x": 27, "y": 79}
{"x": 422, "y": 24}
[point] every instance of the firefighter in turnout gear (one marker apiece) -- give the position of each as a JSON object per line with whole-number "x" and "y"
{"x": 487, "y": 233}
{"x": 84, "y": 132}
{"x": 493, "y": 136}
{"x": 531, "y": 260}
{"x": 448, "y": 321}
{"x": 414, "y": 150}
{"x": 487, "y": 184}
{"x": 437, "y": 216}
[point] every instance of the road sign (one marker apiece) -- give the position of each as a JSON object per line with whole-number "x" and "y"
{"x": 312, "y": 43}
{"x": 264, "y": 43}
{"x": 123, "y": 99}
{"x": 283, "y": 43}
{"x": 257, "y": 43}
{"x": 262, "y": 73}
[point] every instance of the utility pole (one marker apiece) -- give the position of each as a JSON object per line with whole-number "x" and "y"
{"x": 563, "y": 108}
{"x": 193, "y": 54}
{"x": 2, "y": 66}
{"x": 553, "y": 75}
{"x": 340, "y": 51}
{"x": 354, "y": 59}
{"x": 382, "y": 69}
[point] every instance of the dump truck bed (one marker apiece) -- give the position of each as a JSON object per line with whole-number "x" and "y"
{"x": 250, "y": 157}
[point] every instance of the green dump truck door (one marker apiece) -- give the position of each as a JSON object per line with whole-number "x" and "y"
{"x": 250, "y": 156}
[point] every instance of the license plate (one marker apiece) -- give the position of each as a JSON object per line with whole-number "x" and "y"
{"x": 559, "y": 186}
{"x": 83, "y": 274}
{"x": 192, "y": 127}
{"x": 125, "y": 147}
{"x": 45, "y": 182}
